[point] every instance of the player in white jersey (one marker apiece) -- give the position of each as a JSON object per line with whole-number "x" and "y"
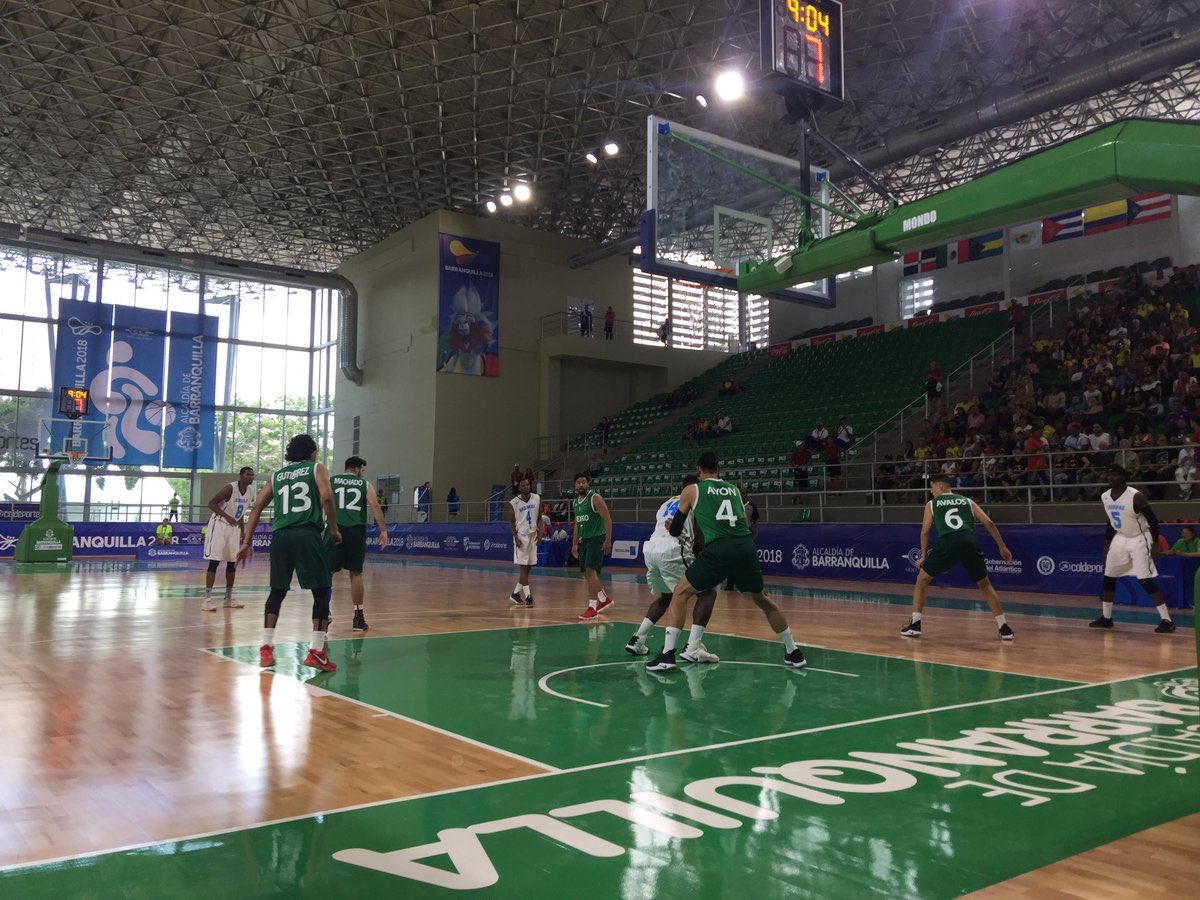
{"x": 524, "y": 516}
{"x": 223, "y": 536}
{"x": 1130, "y": 548}
{"x": 667, "y": 558}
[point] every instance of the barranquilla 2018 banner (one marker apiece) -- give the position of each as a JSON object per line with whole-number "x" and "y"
{"x": 155, "y": 409}
{"x": 468, "y": 306}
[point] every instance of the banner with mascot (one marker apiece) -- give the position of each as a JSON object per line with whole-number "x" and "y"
{"x": 468, "y": 306}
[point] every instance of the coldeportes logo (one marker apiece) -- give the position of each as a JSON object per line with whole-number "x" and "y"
{"x": 1045, "y": 565}
{"x": 800, "y": 557}
{"x": 1081, "y": 567}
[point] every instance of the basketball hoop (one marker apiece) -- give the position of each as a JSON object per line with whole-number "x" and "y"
{"x": 74, "y": 456}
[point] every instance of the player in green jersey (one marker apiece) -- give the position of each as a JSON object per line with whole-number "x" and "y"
{"x": 353, "y": 495}
{"x": 955, "y": 516}
{"x": 729, "y": 551}
{"x": 301, "y": 493}
{"x": 592, "y": 542}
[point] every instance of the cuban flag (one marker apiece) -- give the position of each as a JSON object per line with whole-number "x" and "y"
{"x": 1149, "y": 208}
{"x": 1062, "y": 227}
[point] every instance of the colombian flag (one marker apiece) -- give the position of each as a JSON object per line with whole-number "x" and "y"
{"x": 1105, "y": 217}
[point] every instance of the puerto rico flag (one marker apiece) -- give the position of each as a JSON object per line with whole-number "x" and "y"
{"x": 1149, "y": 208}
{"x": 1105, "y": 217}
{"x": 1062, "y": 227}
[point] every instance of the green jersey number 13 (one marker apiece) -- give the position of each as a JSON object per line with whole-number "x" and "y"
{"x": 295, "y": 497}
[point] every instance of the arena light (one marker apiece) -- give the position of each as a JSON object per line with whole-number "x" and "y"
{"x": 491, "y": 206}
{"x": 730, "y": 86}
{"x": 611, "y": 148}
{"x": 592, "y": 158}
{"x": 702, "y": 100}
{"x": 506, "y": 200}
{"x": 522, "y": 192}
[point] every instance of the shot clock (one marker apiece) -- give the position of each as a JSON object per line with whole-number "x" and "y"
{"x": 802, "y": 46}
{"x": 73, "y": 403}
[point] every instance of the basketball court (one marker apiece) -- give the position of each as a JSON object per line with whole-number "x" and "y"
{"x": 468, "y": 745}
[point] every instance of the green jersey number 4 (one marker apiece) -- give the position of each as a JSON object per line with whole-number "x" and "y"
{"x": 725, "y": 513}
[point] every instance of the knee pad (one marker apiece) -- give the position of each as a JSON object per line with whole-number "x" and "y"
{"x": 1149, "y": 585}
{"x": 275, "y": 600}
{"x": 1109, "y": 584}
{"x": 230, "y": 568}
{"x": 212, "y": 565}
{"x": 320, "y": 608}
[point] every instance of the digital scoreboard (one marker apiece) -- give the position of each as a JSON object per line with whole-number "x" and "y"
{"x": 802, "y": 45}
{"x": 73, "y": 403}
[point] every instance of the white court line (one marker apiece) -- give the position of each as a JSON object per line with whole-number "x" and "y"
{"x": 319, "y": 691}
{"x": 542, "y": 682}
{"x": 519, "y": 778}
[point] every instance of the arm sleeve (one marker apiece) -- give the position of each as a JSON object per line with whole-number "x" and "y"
{"x": 677, "y": 524}
{"x": 1152, "y": 521}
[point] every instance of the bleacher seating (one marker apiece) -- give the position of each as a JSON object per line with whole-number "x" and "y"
{"x": 628, "y": 424}
{"x": 867, "y": 379}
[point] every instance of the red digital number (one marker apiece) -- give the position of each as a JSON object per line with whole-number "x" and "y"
{"x": 820, "y": 56}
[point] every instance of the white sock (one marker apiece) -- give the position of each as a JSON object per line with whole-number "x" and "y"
{"x": 1000, "y": 620}
{"x": 1106, "y": 609}
{"x": 517, "y": 588}
{"x": 269, "y": 637}
{"x": 1162, "y": 612}
{"x": 672, "y": 639}
{"x": 208, "y": 593}
{"x": 318, "y": 641}
{"x": 644, "y": 628}
{"x": 789, "y": 643}
{"x": 916, "y": 617}
{"x": 358, "y": 607}
{"x": 525, "y": 590}
{"x": 592, "y": 603}
{"x": 696, "y": 636}
{"x": 601, "y": 597}
{"x": 228, "y": 593}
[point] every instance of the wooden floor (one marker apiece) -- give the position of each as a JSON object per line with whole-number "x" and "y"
{"x": 120, "y": 730}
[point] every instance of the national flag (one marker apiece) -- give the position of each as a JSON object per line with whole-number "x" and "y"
{"x": 983, "y": 246}
{"x": 926, "y": 260}
{"x": 1149, "y": 208}
{"x": 1026, "y": 237}
{"x": 1062, "y": 227}
{"x": 1105, "y": 217}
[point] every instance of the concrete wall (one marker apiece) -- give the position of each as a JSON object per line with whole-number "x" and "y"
{"x": 467, "y": 432}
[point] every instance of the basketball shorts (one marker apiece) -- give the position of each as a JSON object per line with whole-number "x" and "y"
{"x": 299, "y": 549}
{"x": 526, "y": 554}
{"x": 727, "y": 557}
{"x": 664, "y": 566}
{"x": 1130, "y": 555}
{"x": 952, "y": 549}
{"x": 351, "y": 553}
{"x": 591, "y": 554}
{"x": 222, "y": 541}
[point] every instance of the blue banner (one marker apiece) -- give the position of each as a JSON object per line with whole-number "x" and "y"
{"x": 128, "y": 538}
{"x": 468, "y": 306}
{"x": 80, "y": 350}
{"x": 189, "y": 437}
{"x": 1058, "y": 559}
{"x": 133, "y": 402}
